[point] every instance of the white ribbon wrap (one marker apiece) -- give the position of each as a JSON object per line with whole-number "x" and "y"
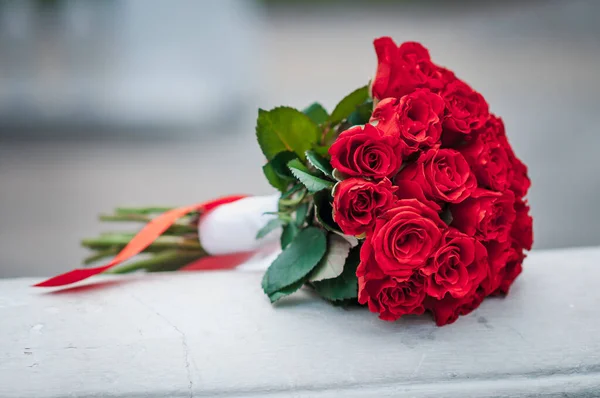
{"x": 232, "y": 228}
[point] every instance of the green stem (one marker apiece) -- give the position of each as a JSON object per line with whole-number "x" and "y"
{"x": 112, "y": 251}
{"x": 119, "y": 240}
{"x": 292, "y": 191}
{"x": 181, "y": 227}
{"x": 142, "y": 210}
{"x": 169, "y": 260}
{"x": 129, "y": 217}
{"x": 292, "y": 202}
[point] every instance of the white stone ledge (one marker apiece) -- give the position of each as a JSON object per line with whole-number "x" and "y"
{"x": 215, "y": 334}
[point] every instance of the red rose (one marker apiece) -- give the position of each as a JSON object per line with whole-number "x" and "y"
{"x": 366, "y": 152}
{"x": 458, "y": 266}
{"x": 466, "y": 109}
{"x": 520, "y": 182}
{"x": 447, "y": 310}
{"x": 498, "y": 254}
{"x": 411, "y": 190}
{"x": 487, "y": 154}
{"x": 391, "y": 298}
{"x": 404, "y": 238}
{"x": 357, "y": 202}
{"x": 416, "y": 118}
{"x": 443, "y": 174}
{"x": 511, "y": 271}
{"x": 522, "y": 229}
{"x": 486, "y": 215}
{"x": 402, "y": 69}
{"x": 412, "y": 52}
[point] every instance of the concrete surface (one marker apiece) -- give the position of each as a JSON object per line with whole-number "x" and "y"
{"x": 214, "y": 334}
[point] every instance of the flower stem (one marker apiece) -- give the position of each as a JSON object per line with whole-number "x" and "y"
{"x": 181, "y": 227}
{"x": 142, "y": 210}
{"x": 168, "y": 260}
{"x": 116, "y": 241}
{"x": 112, "y": 251}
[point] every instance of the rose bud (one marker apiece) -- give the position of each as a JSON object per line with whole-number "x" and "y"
{"x": 486, "y": 215}
{"x": 416, "y": 118}
{"x": 457, "y": 267}
{"x": 357, "y": 203}
{"x": 443, "y": 174}
{"x": 466, "y": 109}
{"x": 366, "y": 152}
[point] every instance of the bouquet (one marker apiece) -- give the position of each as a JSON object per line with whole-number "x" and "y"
{"x": 406, "y": 198}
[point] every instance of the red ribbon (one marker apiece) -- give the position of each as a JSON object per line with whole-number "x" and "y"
{"x": 223, "y": 261}
{"x": 142, "y": 240}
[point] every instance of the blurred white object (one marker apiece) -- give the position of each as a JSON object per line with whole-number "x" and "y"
{"x": 125, "y": 63}
{"x": 232, "y": 228}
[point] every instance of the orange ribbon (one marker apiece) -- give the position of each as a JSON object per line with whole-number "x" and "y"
{"x": 142, "y": 240}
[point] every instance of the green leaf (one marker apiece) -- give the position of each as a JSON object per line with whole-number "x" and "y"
{"x": 348, "y": 105}
{"x": 319, "y": 162}
{"x": 297, "y": 164}
{"x": 288, "y": 234}
{"x": 276, "y": 181}
{"x": 324, "y": 211}
{"x": 311, "y": 182}
{"x": 345, "y": 286}
{"x": 301, "y": 213}
{"x": 332, "y": 264}
{"x": 285, "y": 129}
{"x": 279, "y": 163}
{"x": 322, "y": 150}
{"x": 362, "y": 114}
{"x": 352, "y": 240}
{"x": 286, "y": 291}
{"x": 296, "y": 261}
{"x": 270, "y": 226}
{"x": 316, "y": 113}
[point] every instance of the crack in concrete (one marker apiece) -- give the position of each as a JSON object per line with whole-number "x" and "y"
{"x": 416, "y": 370}
{"x": 518, "y": 333}
{"x": 184, "y": 344}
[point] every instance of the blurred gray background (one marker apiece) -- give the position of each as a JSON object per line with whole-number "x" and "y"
{"x": 135, "y": 102}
